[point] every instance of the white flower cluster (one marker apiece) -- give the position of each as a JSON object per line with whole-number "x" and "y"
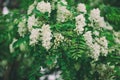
{"x": 95, "y": 51}
{"x": 98, "y": 21}
{"x": 95, "y": 48}
{"x": 44, "y": 7}
{"x": 80, "y": 23}
{"x": 58, "y": 38}
{"x": 46, "y": 36}
{"x": 32, "y": 21}
{"x": 103, "y": 45}
{"x": 63, "y": 14}
{"x": 88, "y": 38}
{"x": 81, "y": 8}
{"x": 100, "y": 45}
{"x": 34, "y": 36}
{"x": 31, "y": 7}
{"x": 22, "y": 29}
{"x": 43, "y": 34}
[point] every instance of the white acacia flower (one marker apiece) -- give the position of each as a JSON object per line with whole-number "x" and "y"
{"x": 44, "y": 7}
{"x": 58, "y": 38}
{"x": 31, "y": 7}
{"x": 80, "y": 18}
{"x": 103, "y": 45}
{"x": 46, "y": 36}
{"x": 101, "y": 22}
{"x": 34, "y": 36}
{"x": 95, "y": 14}
{"x": 80, "y": 23}
{"x": 81, "y": 8}
{"x": 96, "y": 19}
{"x": 104, "y": 42}
{"x": 11, "y": 46}
{"x": 88, "y": 38}
{"x": 22, "y": 29}
{"x": 63, "y": 14}
{"x": 95, "y": 51}
{"x": 32, "y": 21}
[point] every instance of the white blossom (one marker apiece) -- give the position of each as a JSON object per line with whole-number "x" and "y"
{"x": 31, "y": 8}
{"x": 95, "y": 14}
{"x": 103, "y": 45}
{"x": 95, "y": 48}
{"x": 46, "y": 36}
{"x": 11, "y": 46}
{"x": 22, "y": 29}
{"x": 88, "y": 38}
{"x": 104, "y": 42}
{"x": 34, "y": 36}
{"x": 80, "y": 23}
{"x": 95, "y": 51}
{"x": 96, "y": 19}
{"x": 44, "y": 7}
{"x": 63, "y": 14}
{"x": 81, "y": 8}
{"x": 32, "y": 21}
{"x": 58, "y": 38}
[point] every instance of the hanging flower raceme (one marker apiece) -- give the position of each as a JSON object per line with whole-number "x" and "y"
{"x": 103, "y": 45}
{"x": 100, "y": 45}
{"x": 46, "y": 36}
{"x": 88, "y": 38}
{"x": 34, "y": 36}
{"x": 44, "y": 7}
{"x": 80, "y": 23}
{"x": 58, "y": 38}
{"x": 95, "y": 48}
{"x": 81, "y": 8}
{"x": 32, "y": 21}
{"x": 97, "y": 20}
{"x": 31, "y": 7}
{"x": 63, "y": 14}
{"x": 22, "y": 29}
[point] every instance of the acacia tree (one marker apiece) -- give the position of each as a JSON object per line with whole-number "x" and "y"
{"x": 57, "y": 37}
